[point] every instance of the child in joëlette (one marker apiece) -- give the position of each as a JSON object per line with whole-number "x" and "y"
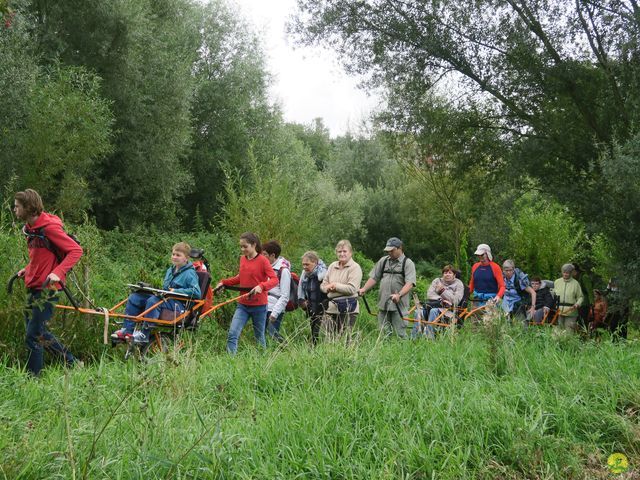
{"x": 181, "y": 277}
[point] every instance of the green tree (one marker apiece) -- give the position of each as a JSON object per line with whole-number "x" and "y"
{"x": 620, "y": 169}
{"x": 288, "y": 199}
{"x": 360, "y": 160}
{"x": 68, "y": 131}
{"x": 230, "y": 110}
{"x": 536, "y": 89}
{"x": 317, "y": 138}
{"x": 19, "y": 74}
{"x": 144, "y": 52}
{"x": 266, "y": 200}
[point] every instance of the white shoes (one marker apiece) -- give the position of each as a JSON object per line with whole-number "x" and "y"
{"x": 139, "y": 337}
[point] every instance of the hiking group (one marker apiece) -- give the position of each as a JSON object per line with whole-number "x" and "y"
{"x": 328, "y": 295}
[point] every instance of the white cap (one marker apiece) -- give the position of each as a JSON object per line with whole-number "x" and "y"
{"x": 484, "y": 248}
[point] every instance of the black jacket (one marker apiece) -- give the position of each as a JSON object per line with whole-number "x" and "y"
{"x": 544, "y": 298}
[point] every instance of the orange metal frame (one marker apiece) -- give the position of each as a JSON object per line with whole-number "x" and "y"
{"x": 192, "y": 305}
{"x": 462, "y": 313}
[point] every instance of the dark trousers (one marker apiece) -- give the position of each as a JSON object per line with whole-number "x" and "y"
{"x": 618, "y": 326}
{"x": 583, "y": 315}
{"x": 315, "y": 320}
{"x": 38, "y": 312}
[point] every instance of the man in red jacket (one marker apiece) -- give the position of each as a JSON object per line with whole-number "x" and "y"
{"x": 52, "y": 253}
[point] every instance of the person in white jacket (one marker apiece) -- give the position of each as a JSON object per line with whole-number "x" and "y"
{"x": 278, "y": 296}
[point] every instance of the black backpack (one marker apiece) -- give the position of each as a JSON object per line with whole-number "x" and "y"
{"x": 39, "y": 234}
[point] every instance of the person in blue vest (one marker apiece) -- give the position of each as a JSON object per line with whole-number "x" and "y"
{"x": 486, "y": 283}
{"x": 310, "y": 298}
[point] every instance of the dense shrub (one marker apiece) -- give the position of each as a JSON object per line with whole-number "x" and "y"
{"x": 543, "y": 236}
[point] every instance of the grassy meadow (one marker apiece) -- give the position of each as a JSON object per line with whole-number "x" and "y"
{"x": 482, "y": 403}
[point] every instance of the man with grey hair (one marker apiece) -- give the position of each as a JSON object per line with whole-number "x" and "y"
{"x": 397, "y": 276}
{"x": 568, "y": 290}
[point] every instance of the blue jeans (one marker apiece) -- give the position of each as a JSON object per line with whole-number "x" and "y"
{"x": 258, "y": 315}
{"x": 38, "y": 338}
{"x": 273, "y": 328}
{"x": 139, "y": 302}
{"x": 481, "y": 299}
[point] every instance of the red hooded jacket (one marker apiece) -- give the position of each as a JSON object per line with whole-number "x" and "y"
{"x": 43, "y": 261}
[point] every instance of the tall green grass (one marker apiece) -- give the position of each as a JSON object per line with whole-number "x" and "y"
{"x": 556, "y": 408}
{"x": 491, "y": 402}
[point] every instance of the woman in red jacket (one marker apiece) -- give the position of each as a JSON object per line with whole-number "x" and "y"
{"x": 487, "y": 282}
{"x": 256, "y": 276}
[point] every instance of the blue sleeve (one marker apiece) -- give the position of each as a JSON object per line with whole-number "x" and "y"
{"x": 523, "y": 279}
{"x": 166, "y": 283}
{"x": 189, "y": 284}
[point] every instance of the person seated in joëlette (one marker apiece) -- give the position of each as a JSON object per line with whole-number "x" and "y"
{"x": 180, "y": 278}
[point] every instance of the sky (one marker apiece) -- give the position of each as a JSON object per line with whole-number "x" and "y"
{"x": 308, "y": 82}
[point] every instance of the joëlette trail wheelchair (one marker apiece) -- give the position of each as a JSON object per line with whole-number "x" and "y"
{"x": 168, "y": 326}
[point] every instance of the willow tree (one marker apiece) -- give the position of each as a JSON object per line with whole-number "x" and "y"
{"x": 539, "y": 89}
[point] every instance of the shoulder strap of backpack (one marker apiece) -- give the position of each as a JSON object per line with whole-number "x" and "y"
{"x": 384, "y": 264}
{"x": 45, "y": 240}
{"x": 386, "y": 260}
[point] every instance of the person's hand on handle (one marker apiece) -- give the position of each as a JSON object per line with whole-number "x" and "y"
{"x": 52, "y": 279}
{"x": 255, "y": 290}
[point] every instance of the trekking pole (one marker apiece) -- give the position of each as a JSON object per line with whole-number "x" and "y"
{"x": 13, "y": 278}
{"x": 66, "y": 291}
{"x": 366, "y": 305}
{"x": 398, "y": 308}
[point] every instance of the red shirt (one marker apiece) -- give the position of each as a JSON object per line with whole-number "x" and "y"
{"x": 253, "y": 272}
{"x": 43, "y": 261}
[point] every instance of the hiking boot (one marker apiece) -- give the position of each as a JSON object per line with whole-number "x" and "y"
{"x": 121, "y": 334}
{"x": 139, "y": 337}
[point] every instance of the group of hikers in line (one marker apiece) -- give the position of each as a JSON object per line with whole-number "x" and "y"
{"x": 329, "y": 295}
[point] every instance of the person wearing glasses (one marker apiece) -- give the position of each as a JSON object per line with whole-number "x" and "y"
{"x": 518, "y": 293}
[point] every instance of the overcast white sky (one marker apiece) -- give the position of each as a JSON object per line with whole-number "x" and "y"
{"x": 308, "y": 83}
